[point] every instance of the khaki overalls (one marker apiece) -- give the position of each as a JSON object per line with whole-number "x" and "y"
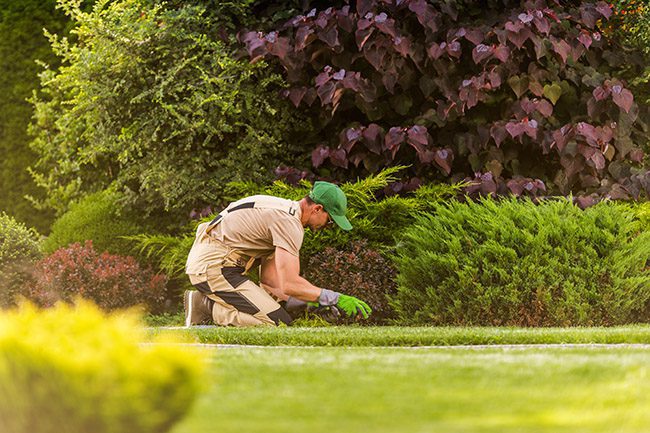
{"x": 218, "y": 272}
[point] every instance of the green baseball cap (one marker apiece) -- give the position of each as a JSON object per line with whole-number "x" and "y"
{"x": 333, "y": 201}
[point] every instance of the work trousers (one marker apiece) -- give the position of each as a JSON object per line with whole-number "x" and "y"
{"x": 236, "y": 300}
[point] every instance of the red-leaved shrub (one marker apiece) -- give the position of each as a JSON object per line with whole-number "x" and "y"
{"x": 109, "y": 280}
{"x": 358, "y": 271}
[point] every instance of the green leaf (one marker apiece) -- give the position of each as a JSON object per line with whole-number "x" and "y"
{"x": 402, "y": 103}
{"x": 475, "y": 162}
{"x": 495, "y": 167}
{"x": 552, "y": 92}
{"x": 519, "y": 84}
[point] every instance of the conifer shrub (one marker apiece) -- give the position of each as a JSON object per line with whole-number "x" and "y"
{"x": 356, "y": 270}
{"x": 78, "y": 370}
{"x": 111, "y": 281}
{"x": 643, "y": 213}
{"x": 513, "y": 262}
{"x": 97, "y": 217}
{"x": 19, "y": 249}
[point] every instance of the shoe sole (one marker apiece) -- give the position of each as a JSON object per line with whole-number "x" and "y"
{"x": 187, "y": 301}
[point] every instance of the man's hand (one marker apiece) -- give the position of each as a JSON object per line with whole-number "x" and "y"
{"x": 349, "y": 304}
{"x": 353, "y": 306}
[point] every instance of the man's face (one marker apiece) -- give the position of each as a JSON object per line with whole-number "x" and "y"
{"x": 319, "y": 218}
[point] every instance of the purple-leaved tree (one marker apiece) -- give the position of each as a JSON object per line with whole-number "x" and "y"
{"x": 520, "y": 97}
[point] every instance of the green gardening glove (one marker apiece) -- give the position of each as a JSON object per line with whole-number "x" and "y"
{"x": 353, "y": 306}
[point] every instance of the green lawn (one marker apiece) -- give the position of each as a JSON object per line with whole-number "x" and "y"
{"x": 408, "y": 336}
{"x": 454, "y": 389}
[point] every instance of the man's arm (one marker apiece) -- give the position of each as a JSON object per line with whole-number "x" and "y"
{"x": 288, "y": 279}
{"x": 285, "y": 282}
{"x": 269, "y": 278}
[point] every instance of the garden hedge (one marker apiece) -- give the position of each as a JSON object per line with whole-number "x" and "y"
{"x": 513, "y": 262}
{"x": 97, "y": 217}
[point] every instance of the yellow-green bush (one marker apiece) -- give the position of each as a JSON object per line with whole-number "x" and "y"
{"x": 74, "y": 369}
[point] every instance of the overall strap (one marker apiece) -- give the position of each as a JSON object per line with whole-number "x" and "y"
{"x": 291, "y": 210}
{"x": 218, "y": 218}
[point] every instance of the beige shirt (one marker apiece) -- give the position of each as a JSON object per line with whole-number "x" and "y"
{"x": 253, "y": 226}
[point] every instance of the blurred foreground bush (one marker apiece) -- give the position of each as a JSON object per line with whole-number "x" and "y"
{"x": 513, "y": 262}
{"x": 109, "y": 280}
{"x": 18, "y": 251}
{"x": 77, "y": 370}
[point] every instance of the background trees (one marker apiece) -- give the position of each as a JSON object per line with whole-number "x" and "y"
{"x": 22, "y": 43}
{"x": 526, "y": 98}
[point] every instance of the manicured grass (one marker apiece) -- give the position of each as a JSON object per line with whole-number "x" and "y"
{"x": 309, "y": 389}
{"x": 409, "y": 336}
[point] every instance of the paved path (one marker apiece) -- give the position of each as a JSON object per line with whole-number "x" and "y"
{"x": 449, "y": 347}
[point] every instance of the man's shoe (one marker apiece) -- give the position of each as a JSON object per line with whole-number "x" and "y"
{"x": 197, "y": 308}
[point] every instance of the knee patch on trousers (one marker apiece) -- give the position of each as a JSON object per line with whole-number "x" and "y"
{"x": 280, "y": 315}
{"x": 203, "y": 288}
{"x": 238, "y": 301}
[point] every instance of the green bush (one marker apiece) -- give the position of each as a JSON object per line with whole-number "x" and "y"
{"x": 19, "y": 250}
{"x": 643, "y": 213}
{"x": 77, "y": 370}
{"x": 516, "y": 263}
{"x": 152, "y": 96}
{"x": 375, "y": 217}
{"x": 98, "y": 218}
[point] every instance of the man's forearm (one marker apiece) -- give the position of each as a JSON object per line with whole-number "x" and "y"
{"x": 278, "y": 293}
{"x": 302, "y": 289}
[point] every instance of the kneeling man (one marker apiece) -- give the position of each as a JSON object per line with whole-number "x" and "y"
{"x": 267, "y": 231}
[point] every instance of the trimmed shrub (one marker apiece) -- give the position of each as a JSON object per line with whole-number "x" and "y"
{"x": 78, "y": 370}
{"x": 516, "y": 263}
{"x": 18, "y": 250}
{"x": 109, "y": 280}
{"x": 358, "y": 271}
{"x": 97, "y": 217}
